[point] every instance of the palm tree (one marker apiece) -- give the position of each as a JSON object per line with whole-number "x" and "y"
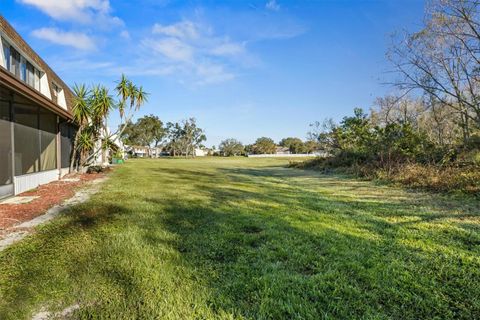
{"x": 132, "y": 91}
{"x": 81, "y": 112}
{"x": 102, "y": 105}
{"x": 91, "y": 109}
{"x": 141, "y": 97}
{"x": 128, "y": 91}
{"x": 123, "y": 91}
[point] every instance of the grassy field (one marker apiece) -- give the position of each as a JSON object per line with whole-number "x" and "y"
{"x": 247, "y": 238}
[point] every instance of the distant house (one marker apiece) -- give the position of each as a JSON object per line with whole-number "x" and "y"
{"x": 144, "y": 151}
{"x": 137, "y": 151}
{"x": 36, "y": 127}
{"x": 200, "y": 152}
{"x": 155, "y": 152}
{"x": 282, "y": 150}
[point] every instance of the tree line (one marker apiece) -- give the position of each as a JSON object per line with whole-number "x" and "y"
{"x": 178, "y": 139}
{"x": 265, "y": 145}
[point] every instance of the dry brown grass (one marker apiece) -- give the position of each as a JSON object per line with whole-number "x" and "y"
{"x": 464, "y": 179}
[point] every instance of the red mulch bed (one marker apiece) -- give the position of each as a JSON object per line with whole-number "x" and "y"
{"x": 49, "y": 195}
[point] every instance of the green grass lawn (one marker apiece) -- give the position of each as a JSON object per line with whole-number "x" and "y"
{"x": 248, "y": 238}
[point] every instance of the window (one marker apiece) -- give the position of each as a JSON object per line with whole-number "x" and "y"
{"x": 5, "y": 141}
{"x": 30, "y": 75}
{"x": 6, "y": 54}
{"x": 15, "y": 62}
{"x": 48, "y": 140}
{"x": 67, "y": 132}
{"x": 23, "y": 69}
{"x": 36, "y": 84}
{"x": 26, "y": 138}
{"x": 20, "y": 66}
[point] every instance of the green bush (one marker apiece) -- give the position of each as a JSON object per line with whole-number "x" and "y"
{"x": 95, "y": 169}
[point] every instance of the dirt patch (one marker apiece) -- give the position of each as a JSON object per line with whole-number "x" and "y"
{"x": 49, "y": 195}
{"x": 64, "y": 314}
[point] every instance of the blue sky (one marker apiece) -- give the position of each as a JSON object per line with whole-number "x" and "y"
{"x": 244, "y": 69}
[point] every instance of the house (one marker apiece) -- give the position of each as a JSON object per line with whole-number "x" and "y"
{"x": 282, "y": 150}
{"x": 144, "y": 151}
{"x": 200, "y": 152}
{"x": 36, "y": 127}
{"x": 137, "y": 151}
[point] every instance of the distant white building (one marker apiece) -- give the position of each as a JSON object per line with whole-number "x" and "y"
{"x": 199, "y": 152}
{"x": 144, "y": 151}
{"x": 103, "y": 157}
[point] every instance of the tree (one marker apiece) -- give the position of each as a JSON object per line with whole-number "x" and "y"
{"x": 91, "y": 109}
{"x": 264, "y": 145}
{"x": 442, "y": 59}
{"x": 231, "y": 147}
{"x": 397, "y": 109}
{"x": 192, "y": 137}
{"x": 311, "y": 146}
{"x": 294, "y": 145}
{"x": 130, "y": 95}
{"x": 174, "y": 136}
{"x": 184, "y": 137}
{"x": 147, "y": 131}
{"x": 81, "y": 111}
{"x": 323, "y": 133}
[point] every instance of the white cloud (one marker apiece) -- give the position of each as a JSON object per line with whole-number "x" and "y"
{"x": 211, "y": 73}
{"x": 72, "y": 39}
{"x": 228, "y": 48}
{"x": 272, "y": 5}
{"x": 125, "y": 34}
{"x": 194, "y": 51}
{"x": 182, "y": 30}
{"x": 171, "y": 48}
{"x": 84, "y": 11}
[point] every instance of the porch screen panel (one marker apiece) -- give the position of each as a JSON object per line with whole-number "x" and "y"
{"x": 48, "y": 140}
{"x": 5, "y": 144}
{"x": 67, "y": 133}
{"x": 26, "y": 137}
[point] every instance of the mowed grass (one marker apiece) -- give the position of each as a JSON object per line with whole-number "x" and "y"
{"x": 248, "y": 239}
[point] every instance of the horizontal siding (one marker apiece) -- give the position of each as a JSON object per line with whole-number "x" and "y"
{"x": 33, "y": 180}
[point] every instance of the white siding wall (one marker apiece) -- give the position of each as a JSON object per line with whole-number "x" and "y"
{"x": 61, "y": 99}
{"x": 45, "y": 87}
{"x": 33, "y": 180}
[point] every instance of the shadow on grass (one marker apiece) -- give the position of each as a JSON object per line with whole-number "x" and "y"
{"x": 257, "y": 264}
{"x": 41, "y": 267}
{"x": 286, "y": 252}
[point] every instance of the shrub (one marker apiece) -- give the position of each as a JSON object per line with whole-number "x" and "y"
{"x": 95, "y": 169}
{"x": 435, "y": 178}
